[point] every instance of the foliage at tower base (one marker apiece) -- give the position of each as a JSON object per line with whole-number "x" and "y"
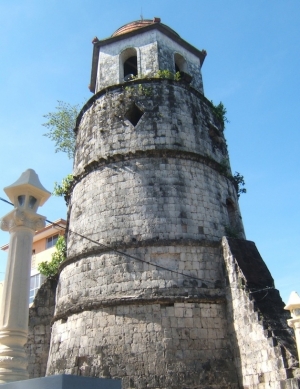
{"x": 50, "y": 269}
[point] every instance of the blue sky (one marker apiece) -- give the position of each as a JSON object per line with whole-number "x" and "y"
{"x": 252, "y": 66}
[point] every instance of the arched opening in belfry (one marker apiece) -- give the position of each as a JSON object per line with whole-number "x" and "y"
{"x": 180, "y": 63}
{"x": 128, "y": 64}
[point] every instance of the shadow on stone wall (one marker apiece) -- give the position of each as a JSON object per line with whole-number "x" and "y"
{"x": 39, "y": 332}
{"x": 264, "y": 346}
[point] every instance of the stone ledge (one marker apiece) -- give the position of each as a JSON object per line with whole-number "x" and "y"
{"x": 118, "y": 246}
{"x": 153, "y": 153}
{"x": 89, "y": 305}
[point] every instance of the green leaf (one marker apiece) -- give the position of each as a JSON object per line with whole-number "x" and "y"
{"x": 239, "y": 182}
{"x": 220, "y": 112}
{"x": 50, "y": 269}
{"x": 61, "y": 124}
{"x": 64, "y": 188}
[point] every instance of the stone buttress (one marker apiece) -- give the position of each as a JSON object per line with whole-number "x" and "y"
{"x": 143, "y": 295}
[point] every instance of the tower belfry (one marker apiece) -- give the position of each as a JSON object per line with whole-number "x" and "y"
{"x": 165, "y": 300}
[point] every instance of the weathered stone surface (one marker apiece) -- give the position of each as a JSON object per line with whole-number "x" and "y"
{"x": 151, "y": 345}
{"x": 176, "y": 117}
{"x": 157, "y": 180}
{"x": 157, "y": 193}
{"x": 39, "y": 329}
{"x": 112, "y": 277}
{"x": 143, "y": 295}
{"x": 264, "y": 347}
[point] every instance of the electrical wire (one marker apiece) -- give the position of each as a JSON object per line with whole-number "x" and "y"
{"x": 260, "y": 290}
{"x": 8, "y": 202}
{"x": 134, "y": 257}
{"x": 122, "y": 252}
{"x": 147, "y": 262}
{"x": 137, "y": 258}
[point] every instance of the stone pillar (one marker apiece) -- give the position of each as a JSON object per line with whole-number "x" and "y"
{"x": 27, "y": 194}
{"x": 293, "y": 306}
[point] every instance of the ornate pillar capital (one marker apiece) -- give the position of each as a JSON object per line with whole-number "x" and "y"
{"x": 21, "y": 218}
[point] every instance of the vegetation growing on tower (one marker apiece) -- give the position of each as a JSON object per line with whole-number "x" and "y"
{"x": 50, "y": 269}
{"x": 61, "y": 124}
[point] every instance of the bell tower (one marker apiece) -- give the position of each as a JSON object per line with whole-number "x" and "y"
{"x": 149, "y": 293}
{"x": 142, "y": 48}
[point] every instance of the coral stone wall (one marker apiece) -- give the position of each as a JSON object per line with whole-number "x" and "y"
{"x": 175, "y": 117}
{"x": 164, "y": 178}
{"x": 148, "y": 346}
{"x": 104, "y": 278}
{"x": 152, "y": 184}
{"x": 149, "y": 198}
{"x": 39, "y": 329}
{"x": 263, "y": 345}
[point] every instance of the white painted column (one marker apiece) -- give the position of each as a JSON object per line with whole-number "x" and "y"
{"x": 293, "y": 306}
{"x": 15, "y": 298}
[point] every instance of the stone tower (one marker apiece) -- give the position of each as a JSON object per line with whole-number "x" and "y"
{"x": 150, "y": 292}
